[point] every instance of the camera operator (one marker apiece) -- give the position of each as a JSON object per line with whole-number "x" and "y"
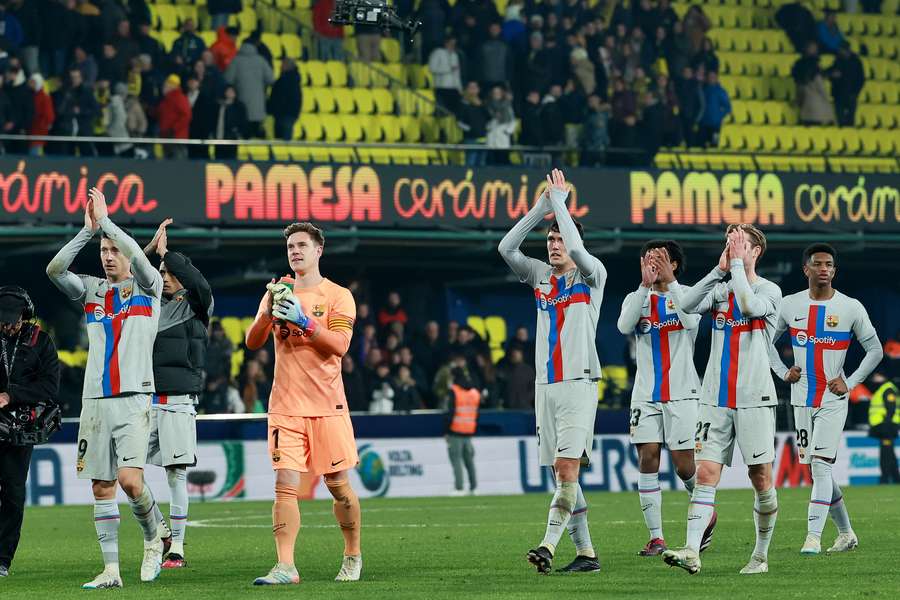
{"x": 29, "y": 376}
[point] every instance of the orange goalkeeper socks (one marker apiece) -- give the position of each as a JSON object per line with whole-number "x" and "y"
{"x": 285, "y": 522}
{"x": 347, "y": 513}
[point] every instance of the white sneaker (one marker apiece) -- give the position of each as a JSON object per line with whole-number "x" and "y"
{"x": 351, "y": 568}
{"x": 756, "y": 565}
{"x": 152, "y": 563}
{"x": 684, "y": 558}
{"x": 109, "y": 578}
{"x": 812, "y": 545}
{"x": 844, "y": 542}
{"x": 279, "y": 575}
{"x": 456, "y": 493}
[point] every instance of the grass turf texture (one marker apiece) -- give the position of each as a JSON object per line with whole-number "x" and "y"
{"x": 471, "y": 547}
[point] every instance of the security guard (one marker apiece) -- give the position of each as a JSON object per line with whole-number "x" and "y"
{"x": 465, "y": 400}
{"x": 29, "y": 375}
{"x": 884, "y": 423}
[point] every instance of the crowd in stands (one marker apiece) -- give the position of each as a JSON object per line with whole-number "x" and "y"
{"x": 393, "y": 365}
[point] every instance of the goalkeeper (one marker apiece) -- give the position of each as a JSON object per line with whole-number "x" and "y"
{"x": 309, "y": 423}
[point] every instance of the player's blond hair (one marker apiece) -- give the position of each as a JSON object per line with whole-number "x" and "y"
{"x": 314, "y": 232}
{"x": 757, "y": 237}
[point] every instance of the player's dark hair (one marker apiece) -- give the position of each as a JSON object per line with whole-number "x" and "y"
{"x": 125, "y": 230}
{"x": 757, "y": 237}
{"x": 676, "y": 253}
{"x": 554, "y": 226}
{"x": 314, "y": 232}
{"x": 819, "y": 247}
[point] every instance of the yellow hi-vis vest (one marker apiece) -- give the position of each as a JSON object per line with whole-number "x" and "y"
{"x": 878, "y": 410}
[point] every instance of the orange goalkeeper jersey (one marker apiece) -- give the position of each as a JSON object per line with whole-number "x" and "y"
{"x": 308, "y": 381}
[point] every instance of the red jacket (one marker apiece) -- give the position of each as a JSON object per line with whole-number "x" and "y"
{"x": 43, "y": 116}
{"x": 224, "y": 49}
{"x": 323, "y": 9}
{"x": 174, "y": 115}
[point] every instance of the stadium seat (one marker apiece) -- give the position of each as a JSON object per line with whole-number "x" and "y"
{"x": 318, "y": 74}
{"x": 391, "y": 127}
{"x": 372, "y": 127}
{"x": 412, "y": 129}
{"x": 312, "y": 128}
{"x": 364, "y": 100}
{"x": 384, "y": 102}
{"x": 361, "y": 74}
{"x": 233, "y": 330}
{"x": 292, "y": 46}
{"x": 332, "y": 127}
{"x": 390, "y": 50}
{"x": 325, "y": 101}
{"x": 344, "y": 98}
{"x": 425, "y": 102}
{"x": 353, "y": 128}
{"x": 272, "y": 41}
{"x": 308, "y": 102}
{"x": 337, "y": 73}
{"x": 167, "y": 16}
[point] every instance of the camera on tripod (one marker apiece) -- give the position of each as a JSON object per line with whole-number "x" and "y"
{"x": 377, "y": 13}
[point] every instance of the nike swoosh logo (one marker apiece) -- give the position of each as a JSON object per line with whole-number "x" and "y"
{"x": 334, "y": 464}
{"x": 179, "y": 455}
{"x": 694, "y": 518}
{"x": 758, "y": 455}
{"x": 818, "y": 448}
{"x": 799, "y": 319}
{"x": 646, "y": 507}
{"x": 562, "y": 449}
{"x": 684, "y": 441}
{"x": 129, "y": 458}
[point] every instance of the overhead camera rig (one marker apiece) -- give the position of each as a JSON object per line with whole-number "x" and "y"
{"x": 376, "y": 13}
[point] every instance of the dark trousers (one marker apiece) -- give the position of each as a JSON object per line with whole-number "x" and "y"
{"x": 708, "y": 136}
{"x": 14, "y": 463}
{"x": 846, "y": 111}
{"x": 889, "y": 471}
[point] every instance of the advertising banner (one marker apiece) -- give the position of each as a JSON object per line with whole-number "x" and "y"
{"x": 201, "y": 193}
{"x": 419, "y": 467}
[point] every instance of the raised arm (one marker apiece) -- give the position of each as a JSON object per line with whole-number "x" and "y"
{"x": 698, "y": 299}
{"x": 868, "y": 339}
{"x": 688, "y": 319}
{"x": 198, "y": 288}
{"x": 590, "y": 266}
{"x": 761, "y": 303}
{"x": 259, "y": 330}
{"x": 67, "y": 282}
{"x": 660, "y": 261}
{"x": 520, "y": 264}
{"x": 146, "y": 276}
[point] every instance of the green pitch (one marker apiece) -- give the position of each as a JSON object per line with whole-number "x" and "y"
{"x": 469, "y": 548}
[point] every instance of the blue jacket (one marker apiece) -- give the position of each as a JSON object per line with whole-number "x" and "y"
{"x": 717, "y": 105}
{"x": 829, "y": 40}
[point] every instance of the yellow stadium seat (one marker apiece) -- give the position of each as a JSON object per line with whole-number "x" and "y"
{"x": 753, "y": 138}
{"x": 353, "y": 128}
{"x": 312, "y": 127}
{"x": 167, "y": 15}
{"x": 308, "y": 102}
{"x": 291, "y": 44}
{"x": 237, "y": 360}
{"x": 233, "y": 329}
{"x": 431, "y": 130}
{"x": 253, "y": 152}
{"x": 740, "y": 112}
{"x": 332, "y": 127}
{"x": 390, "y": 50}
{"x": 281, "y": 153}
{"x": 406, "y": 101}
{"x": 887, "y": 142}
{"x": 185, "y": 12}
{"x": 819, "y": 139}
{"x": 318, "y": 74}
{"x": 365, "y": 101}
{"x": 325, "y": 101}
{"x": 728, "y": 140}
{"x": 344, "y": 98}
{"x": 869, "y": 142}
{"x": 337, "y": 73}
{"x": 695, "y": 161}
{"x": 167, "y": 38}
{"x": 775, "y": 112}
{"x": 208, "y": 37}
{"x": 769, "y": 139}
{"x": 852, "y": 142}
{"x": 425, "y": 102}
{"x": 391, "y": 127}
{"x": 273, "y": 43}
{"x": 372, "y": 128}
{"x": 758, "y": 114}
{"x": 384, "y": 102}
{"x": 412, "y": 129}
{"x": 666, "y": 160}
{"x": 379, "y": 75}
{"x": 361, "y": 74}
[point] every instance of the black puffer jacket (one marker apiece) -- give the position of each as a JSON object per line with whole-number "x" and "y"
{"x": 33, "y": 368}
{"x": 179, "y": 353}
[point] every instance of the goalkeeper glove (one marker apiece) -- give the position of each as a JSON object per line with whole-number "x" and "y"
{"x": 289, "y": 309}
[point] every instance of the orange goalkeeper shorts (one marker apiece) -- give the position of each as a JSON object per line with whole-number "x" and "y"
{"x": 315, "y": 445}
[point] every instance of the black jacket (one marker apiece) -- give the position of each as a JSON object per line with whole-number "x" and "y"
{"x": 286, "y": 97}
{"x": 34, "y": 370}
{"x": 179, "y": 353}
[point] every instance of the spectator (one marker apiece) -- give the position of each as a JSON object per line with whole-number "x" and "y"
{"x": 174, "y": 115}
{"x": 21, "y": 104}
{"x": 706, "y": 57}
{"x": 624, "y": 103}
{"x": 212, "y": 82}
{"x": 393, "y": 311}
{"x": 828, "y": 34}
{"x": 220, "y": 10}
{"x": 69, "y": 31}
{"x": 430, "y": 351}
{"x": 224, "y": 49}
{"x": 501, "y": 126}
{"x": 666, "y": 15}
{"x": 646, "y": 18}
{"x": 330, "y": 38}
{"x": 218, "y": 352}
{"x": 368, "y": 42}
{"x": 231, "y": 122}
{"x": 652, "y": 122}
{"x": 715, "y": 108}
{"x": 250, "y": 75}
{"x": 594, "y": 139}
{"x": 689, "y": 92}
{"x": 254, "y": 387}
{"x": 383, "y": 392}
{"x": 519, "y": 392}
{"x": 354, "y": 385}
{"x": 406, "y": 391}
{"x": 514, "y": 31}
{"x": 495, "y": 58}
{"x": 521, "y": 341}
{"x": 135, "y": 121}
{"x": 285, "y": 100}
{"x": 75, "y": 110}
{"x": 442, "y": 378}
{"x": 798, "y": 23}
{"x": 815, "y": 107}
{"x": 148, "y": 45}
{"x": 806, "y": 67}
{"x": 532, "y": 126}
{"x": 11, "y": 33}
{"x": 847, "y": 80}
{"x": 472, "y": 119}
{"x": 151, "y": 85}
{"x": 444, "y": 64}
{"x": 32, "y": 27}
{"x": 86, "y": 64}
{"x": 203, "y": 112}
{"x": 44, "y": 115}
{"x": 462, "y": 422}
{"x": 126, "y": 47}
{"x": 111, "y": 66}
{"x": 696, "y": 24}
{"x": 551, "y": 116}
{"x": 583, "y": 70}
{"x": 188, "y": 47}
{"x": 433, "y": 15}
{"x": 677, "y": 49}
{"x": 891, "y": 364}
{"x": 671, "y": 122}
{"x": 118, "y": 120}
